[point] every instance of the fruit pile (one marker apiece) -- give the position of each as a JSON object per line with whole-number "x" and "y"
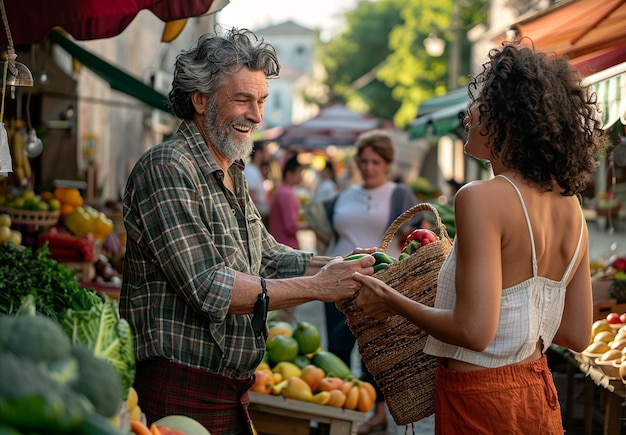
{"x": 7, "y": 235}
{"x": 29, "y": 200}
{"x": 297, "y": 368}
{"x": 81, "y": 219}
{"x": 607, "y": 349}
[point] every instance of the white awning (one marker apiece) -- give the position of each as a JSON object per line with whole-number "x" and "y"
{"x": 610, "y": 86}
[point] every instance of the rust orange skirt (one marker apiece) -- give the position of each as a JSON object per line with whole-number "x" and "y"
{"x": 514, "y": 399}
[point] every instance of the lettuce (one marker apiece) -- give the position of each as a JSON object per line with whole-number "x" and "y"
{"x": 102, "y": 330}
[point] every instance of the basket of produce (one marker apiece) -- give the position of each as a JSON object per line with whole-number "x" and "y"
{"x": 392, "y": 349}
{"x": 32, "y": 217}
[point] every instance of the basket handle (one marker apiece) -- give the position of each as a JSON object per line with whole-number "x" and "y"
{"x": 407, "y": 215}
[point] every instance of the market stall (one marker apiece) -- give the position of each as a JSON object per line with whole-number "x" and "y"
{"x": 297, "y": 417}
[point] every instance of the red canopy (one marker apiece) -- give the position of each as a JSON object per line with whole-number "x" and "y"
{"x": 334, "y": 125}
{"x": 577, "y": 27}
{"x": 31, "y": 20}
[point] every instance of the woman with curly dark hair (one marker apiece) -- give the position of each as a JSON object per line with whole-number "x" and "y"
{"x": 517, "y": 278}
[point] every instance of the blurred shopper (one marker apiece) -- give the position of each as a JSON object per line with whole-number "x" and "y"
{"x": 360, "y": 215}
{"x": 256, "y": 171}
{"x": 327, "y": 185}
{"x": 517, "y": 278}
{"x": 201, "y": 270}
{"x": 285, "y": 214}
{"x": 315, "y": 212}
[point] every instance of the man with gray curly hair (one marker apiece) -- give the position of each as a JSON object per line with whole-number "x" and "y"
{"x": 200, "y": 266}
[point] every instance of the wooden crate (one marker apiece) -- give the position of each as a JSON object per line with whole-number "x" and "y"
{"x": 602, "y": 308}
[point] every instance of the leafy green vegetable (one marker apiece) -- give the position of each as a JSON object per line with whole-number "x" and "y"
{"x": 54, "y": 287}
{"x": 109, "y": 336}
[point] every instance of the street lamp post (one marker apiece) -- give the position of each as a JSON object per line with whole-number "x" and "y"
{"x": 455, "y": 49}
{"x": 435, "y": 47}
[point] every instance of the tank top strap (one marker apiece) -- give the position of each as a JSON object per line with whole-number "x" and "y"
{"x": 576, "y": 253}
{"x": 530, "y": 228}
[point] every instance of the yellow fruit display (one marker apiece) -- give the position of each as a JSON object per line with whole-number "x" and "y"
{"x": 15, "y": 238}
{"x": 5, "y": 234}
{"x": 132, "y": 402}
{"x": 132, "y": 399}
{"x": 263, "y": 366}
{"x": 287, "y": 369}
{"x": 297, "y": 389}
{"x": 599, "y": 326}
{"x": 611, "y": 354}
{"x": 605, "y": 336}
{"x": 5, "y": 220}
{"x": 597, "y": 347}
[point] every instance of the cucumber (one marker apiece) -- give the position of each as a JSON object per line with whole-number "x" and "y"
{"x": 332, "y": 365}
{"x": 380, "y": 266}
{"x": 354, "y": 257}
{"x": 381, "y": 258}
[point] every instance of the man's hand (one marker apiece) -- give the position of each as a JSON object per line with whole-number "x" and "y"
{"x": 336, "y": 281}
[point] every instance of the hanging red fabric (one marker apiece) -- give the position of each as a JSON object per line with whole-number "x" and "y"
{"x": 31, "y": 20}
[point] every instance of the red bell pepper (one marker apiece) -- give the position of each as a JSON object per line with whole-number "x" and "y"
{"x": 421, "y": 236}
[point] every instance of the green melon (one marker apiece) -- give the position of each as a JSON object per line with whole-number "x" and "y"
{"x": 282, "y": 348}
{"x": 184, "y": 424}
{"x": 308, "y": 337}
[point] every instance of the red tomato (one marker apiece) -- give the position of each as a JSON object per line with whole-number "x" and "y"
{"x": 613, "y": 318}
{"x": 622, "y": 318}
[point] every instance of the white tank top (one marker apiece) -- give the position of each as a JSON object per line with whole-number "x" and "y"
{"x": 529, "y": 310}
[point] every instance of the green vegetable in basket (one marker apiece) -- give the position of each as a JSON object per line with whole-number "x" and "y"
{"x": 382, "y": 258}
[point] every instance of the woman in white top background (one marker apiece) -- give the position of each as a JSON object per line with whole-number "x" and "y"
{"x": 360, "y": 215}
{"x": 518, "y": 277}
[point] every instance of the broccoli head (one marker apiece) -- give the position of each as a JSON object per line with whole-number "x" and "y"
{"x": 98, "y": 381}
{"x": 31, "y": 401}
{"x": 36, "y": 337}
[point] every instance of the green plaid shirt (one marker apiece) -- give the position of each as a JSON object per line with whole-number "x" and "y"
{"x": 187, "y": 235}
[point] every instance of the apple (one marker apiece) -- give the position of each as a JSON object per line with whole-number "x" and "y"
{"x": 613, "y": 318}
{"x": 619, "y": 264}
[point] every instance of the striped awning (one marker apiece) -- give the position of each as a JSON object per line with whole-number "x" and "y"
{"x": 610, "y": 87}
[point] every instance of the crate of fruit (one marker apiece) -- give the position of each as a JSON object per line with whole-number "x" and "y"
{"x": 31, "y": 217}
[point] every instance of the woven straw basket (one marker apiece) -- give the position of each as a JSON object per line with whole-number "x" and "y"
{"x": 393, "y": 349}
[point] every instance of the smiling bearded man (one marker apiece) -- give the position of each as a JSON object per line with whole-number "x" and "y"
{"x": 200, "y": 267}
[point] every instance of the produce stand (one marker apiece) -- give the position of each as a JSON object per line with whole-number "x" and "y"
{"x": 277, "y": 415}
{"x": 612, "y": 390}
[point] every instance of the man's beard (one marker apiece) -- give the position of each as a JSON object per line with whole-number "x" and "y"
{"x": 218, "y": 132}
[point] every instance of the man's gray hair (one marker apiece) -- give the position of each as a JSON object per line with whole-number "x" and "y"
{"x": 203, "y": 67}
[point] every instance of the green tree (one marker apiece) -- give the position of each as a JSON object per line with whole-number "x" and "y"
{"x": 379, "y": 63}
{"x": 352, "y": 59}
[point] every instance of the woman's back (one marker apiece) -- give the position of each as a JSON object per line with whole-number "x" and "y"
{"x": 556, "y": 222}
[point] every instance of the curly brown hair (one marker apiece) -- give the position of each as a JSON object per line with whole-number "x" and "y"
{"x": 540, "y": 118}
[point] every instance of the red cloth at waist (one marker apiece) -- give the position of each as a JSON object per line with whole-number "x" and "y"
{"x": 220, "y": 404}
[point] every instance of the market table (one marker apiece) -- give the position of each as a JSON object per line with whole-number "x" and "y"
{"x": 613, "y": 390}
{"x": 277, "y": 415}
